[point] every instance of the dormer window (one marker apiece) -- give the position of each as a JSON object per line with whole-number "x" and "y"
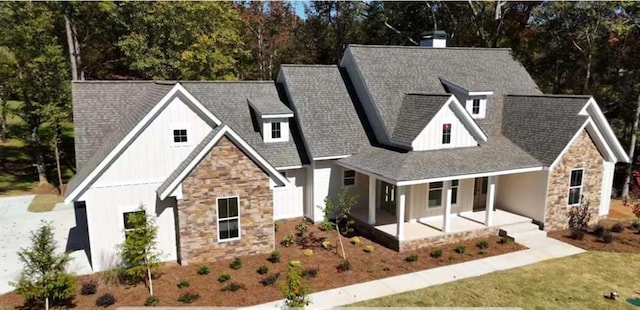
{"x": 446, "y": 133}
{"x": 475, "y": 108}
{"x": 275, "y": 130}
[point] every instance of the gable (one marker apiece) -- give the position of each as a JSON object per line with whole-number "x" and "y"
{"x": 431, "y": 137}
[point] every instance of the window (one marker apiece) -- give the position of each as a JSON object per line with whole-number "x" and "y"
{"x": 228, "y": 218}
{"x": 275, "y": 131}
{"x": 179, "y": 135}
{"x": 349, "y": 178}
{"x": 435, "y": 194}
{"x": 575, "y": 186}
{"x": 129, "y": 224}
{"x": 475, "y": 106}
{"x": 454, "y": 191}
{"x": 446, "y": 133}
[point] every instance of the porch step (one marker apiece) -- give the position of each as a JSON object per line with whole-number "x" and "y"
{"x": 522, "y": 231}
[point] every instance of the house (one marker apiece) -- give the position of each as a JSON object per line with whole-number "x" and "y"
{"x": 438, "y": 143}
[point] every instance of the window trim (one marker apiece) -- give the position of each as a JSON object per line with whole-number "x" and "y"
{"x": 473, "y": 106}
{"x": 454, "y": 188}
{"x": 181, "y": 126}
{"x": 573, "y": 187}
{"x": 278, "y": 130}
{"x": 218, "y": 220}
{"x": 429, "y": 190}
{"x": 127, "y": 209}
{"x": 344, "y": 178}
{"x": 447, "y": 128}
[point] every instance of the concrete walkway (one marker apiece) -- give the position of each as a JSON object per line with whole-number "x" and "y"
{"x": 540, "y": 249}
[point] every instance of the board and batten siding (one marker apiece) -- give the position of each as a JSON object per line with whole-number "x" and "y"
{"x": 418, "y": 206}
{"x": 288, "y": 200}
{"x": 153, "y": 155}
{"x": 430, "y": 138}
{"x": 524, "y": 194}
{"x": 607, "y": 186}
{"x": 327, "y": 182}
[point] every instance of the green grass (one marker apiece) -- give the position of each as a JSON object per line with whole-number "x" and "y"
{"x": 575, "y": 282}
{"x": 44, "y": 203}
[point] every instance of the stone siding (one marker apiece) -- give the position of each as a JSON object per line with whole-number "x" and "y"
{"x": 225, "y": 171}
{"x": 583, "y": 153}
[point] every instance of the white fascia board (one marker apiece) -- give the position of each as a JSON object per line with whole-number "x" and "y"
{"x": 290, "y": 167}
{"x": 466, "y": 118}
{"x": 471, "y": 176}
{"x": 600, "y": 141}
{"x": 368, "y": 173}
{"x": 601, "y": 122}
{"x": 151, "y": 115}
{"x": 331, "y": 157}
{"x": 480, "y": 93}
{"x": 226, "y": 130}
{"x": 277, "y": 115}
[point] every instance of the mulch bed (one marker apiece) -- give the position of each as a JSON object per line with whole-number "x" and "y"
{"x": 627, "y": 241}
{"x": 381, "y": 263}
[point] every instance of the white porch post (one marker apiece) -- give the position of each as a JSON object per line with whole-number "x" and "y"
{"x": 400, "y": 203}
{"x": 372, "y": 200}
{"x": 446, "y": 218}
{"x": 491, "y": 198}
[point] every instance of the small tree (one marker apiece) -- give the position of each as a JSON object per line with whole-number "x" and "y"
{"x": 295, "y": 292}
{"x": 341, "y": 210}
{"x": 579, "y": 216}
{"x": 139, "y": 252}
{"x": 43, "y": 278}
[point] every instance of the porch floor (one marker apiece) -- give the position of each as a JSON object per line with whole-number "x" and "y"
{"x": 432, "y": 226}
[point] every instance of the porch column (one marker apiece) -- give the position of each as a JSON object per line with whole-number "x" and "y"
{"x": 446, "y": 218}
{"x": 400, "y": 203}
{"x": 372, "y": 200}
{"x": 491, "y": 198}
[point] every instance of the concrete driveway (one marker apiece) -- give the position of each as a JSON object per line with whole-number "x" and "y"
{"x": 16, "y": 224}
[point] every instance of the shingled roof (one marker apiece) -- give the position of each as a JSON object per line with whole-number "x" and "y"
{"x": 416, "y": 112}
{"x": 269, "y": 106}
{"x": 324, "y": 110}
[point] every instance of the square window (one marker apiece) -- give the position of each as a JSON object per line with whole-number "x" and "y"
{"x": 446, "y": 133}
{"x": 349, "y": 178}
{"x": 475, "y": 106}
{"x": 179, "y": 135}
{"x": 228, "y": 218}
{"x": 275, "y": 131}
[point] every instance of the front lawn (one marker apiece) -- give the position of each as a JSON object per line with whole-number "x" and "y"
{"x": 575, "y": 282}
{"x": 44, "y": 203}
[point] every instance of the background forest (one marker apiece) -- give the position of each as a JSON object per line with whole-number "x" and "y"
{"x": 568, "y": 47}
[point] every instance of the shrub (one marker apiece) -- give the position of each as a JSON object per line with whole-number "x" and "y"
{"x": 182, "y": 284}
{"x": 344, "y": 266}
{"x": 635, "y": 226}
{"x": 326, "y": 225}
{"x": 599, "y": 230}
{"x": 412, "y": 258}
{"x": 577, "y": 234}
{"x": 89, "y": 288}
{"x": 580, "y": 215}
{"x": 294, "y": 263}
{"x": 203, "y": 270}
{"x": 617, "y": 228}
{"x": 386, "y": 269}
{"x": 310, "y": 272}
{"x": 224, "y": 277}
{"x": 270, "y": 279}
{"x": 105, "y": 300}
{"x": 188, "y": 298}
{"x": 355, "y": 240}
{"x": 484, "y": 244}
{"x": 326, "y": 245}
{"x": 262, "y": 269}
{"x": 296, "y": 293}
{"x": 302, "y": 227}
{"x": 233, "y": 286}
{"x": 308, "y": 252}
{"x": 276, "y": 225}
{"x": 152, "y": 301}
{"x": 461, "y": 249}
{"x": 288, "y": 240}
{"x": 369, "y": 249}
{"x": 274, "y": 257}
{"x": 236, "y": 264}
{"x": 437, "y": 253}
{"x": 607, "y": 237}
{"x": 503, "y": 240}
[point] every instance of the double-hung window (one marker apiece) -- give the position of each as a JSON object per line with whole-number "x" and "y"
{"x": 228, "y": 218}
{"x": 475, "y": 106}
{"x": 275, "y": 131}
{"x": 130, "y": 222}
{"x": 435, "y": 194}
{"x": 575, "y": 186}
{"x": 446, "y": 133}
{"x": 349, "y": 178}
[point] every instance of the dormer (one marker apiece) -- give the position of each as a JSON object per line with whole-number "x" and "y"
{"x": 474, "y": 101}
{"x": 272, "y": 117}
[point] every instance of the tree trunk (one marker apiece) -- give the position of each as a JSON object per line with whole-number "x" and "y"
{"x": 58, "y": 167}
{"x": 37, "y": 155}
{"x": 74, "y": 50}
{"x": 632, "y": 148}
{"x": 3, "y": 120}
{"x": 588, "y": 74}
{"x": 150, "y": 282}
{"x": 344, "y": 255}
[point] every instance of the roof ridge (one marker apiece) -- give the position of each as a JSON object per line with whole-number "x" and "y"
{"x": 431, "y": 48}
{"x": 550, "y": 95}
{"x": 308, "y": 65}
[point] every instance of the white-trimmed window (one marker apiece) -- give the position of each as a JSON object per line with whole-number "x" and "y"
{"x": 276, "y": 133}
{"x": 348, "y": 178}
{"x": 435, "y": 194}
{"x": 180, "y": 136}
{"x": 228, "y": 218}
{"x": 454, "y": 192}
{"x": 575, "y": 186}
{"x": 446, "y": 133}
{"x": 129, "y": 225}
{"x": 475, "y": 106}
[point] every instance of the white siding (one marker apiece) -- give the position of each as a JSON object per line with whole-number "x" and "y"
{"x": 607, "y": 184}
{"x": 327, "y": 181}
{"x": 288, "y": 201}
{"x": 153, "y": 155}
{"x": 105, "y": 207}
{"x": 418, "y": 200}
{"x": 431, "y": 136}
{"x": 523, "y": 193}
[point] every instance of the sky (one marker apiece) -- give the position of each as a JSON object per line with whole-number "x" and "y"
{"x": 299, "y": 6}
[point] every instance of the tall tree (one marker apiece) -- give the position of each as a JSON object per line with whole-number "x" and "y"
{"x": 7, "y": 76}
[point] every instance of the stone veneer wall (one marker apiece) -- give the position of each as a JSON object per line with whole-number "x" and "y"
{"x": 582, "y": 154}
{"x": 225, "y": 171}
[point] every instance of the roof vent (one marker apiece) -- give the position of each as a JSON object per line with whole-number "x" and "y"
{"x": 436, "y": 38}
